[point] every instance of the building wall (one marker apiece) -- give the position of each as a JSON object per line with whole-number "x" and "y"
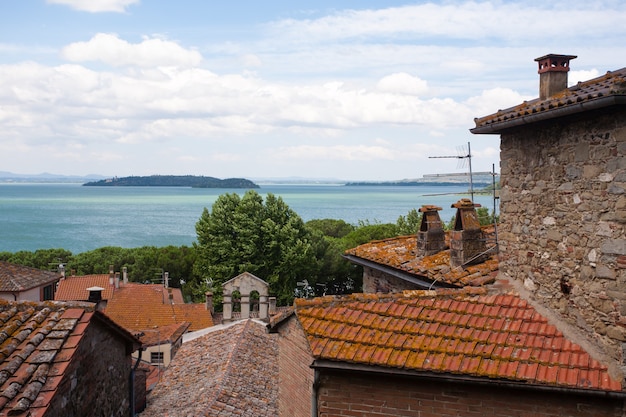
{"x": 164, "y": 348}
{"x": 32, "y": 294}
{"x": 376, "y": 281}
{"x": 96, "y": 382}
{"x": 563, "y": 213}
{"x": 295, "y": 374}
{"x": 352, "y": 394}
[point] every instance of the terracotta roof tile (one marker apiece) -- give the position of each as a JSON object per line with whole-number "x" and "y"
{"x": 38, "y": 341}
{"x": 613, "y": 83}
{"x": 138, "y": 307}
{"x": 74, "y": 288}
{"x": 228, "y": 368}
{"x": 16, "y": 278}
{"x": 464, "y": 331}
{"x": 401, "y": 253}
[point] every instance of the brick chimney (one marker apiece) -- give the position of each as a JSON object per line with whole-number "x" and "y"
{"x": 553, "y": 71}
{"x": 431, "y": 237}
{"x": 467, "y": 243}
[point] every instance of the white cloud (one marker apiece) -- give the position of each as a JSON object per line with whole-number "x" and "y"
{"x": 403, "y": 83}
{"x": 337, "y": 152}
{"x": 151, "y": 52}
{"x": 576, "y": 76}
{"x": 458, "y": 20}
{"x": 97, "y": 6}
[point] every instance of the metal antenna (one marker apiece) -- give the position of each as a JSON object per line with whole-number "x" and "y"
{"x": 467, "y": 156}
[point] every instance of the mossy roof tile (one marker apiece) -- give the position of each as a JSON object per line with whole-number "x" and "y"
{"x": 463, "y": 331}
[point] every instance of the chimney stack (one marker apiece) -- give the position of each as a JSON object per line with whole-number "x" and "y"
{"x": 553, "y": 71}
{"x": 166, "y": 279}
{"x": 431, "y": 237}
{"x": 467, "y": 243}
{"x": 117, "y": 280}
{"x": 208, "y": 297}
{"x": 125, "y": 275}
{"x": 111, "y": 275}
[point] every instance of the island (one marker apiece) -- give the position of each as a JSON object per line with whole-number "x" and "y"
{"x": 192, "y": 181}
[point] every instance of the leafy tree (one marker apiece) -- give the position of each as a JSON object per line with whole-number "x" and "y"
{"x": 409, "y": 224}
{"x": 44, "y": 259}
{"x": 245, "y": 234}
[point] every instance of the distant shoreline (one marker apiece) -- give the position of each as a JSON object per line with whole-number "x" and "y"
{"x": 192, "y": 181}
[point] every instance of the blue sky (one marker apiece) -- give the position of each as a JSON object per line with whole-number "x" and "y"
{"x": 353, "y": 90}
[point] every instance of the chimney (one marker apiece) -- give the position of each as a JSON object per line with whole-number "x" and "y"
{"x": 117, "y": 280}
{"x": 431, "y": 237}
{"x": 125, "y": 275}
{"x": 166, "y": 279}
{"x": 208, "y": 298}
{"x": 111, "y": 275}
{"x": 467, "y": 243}
{"x": 62, "y": 271}
{"x": 553, "y": 71}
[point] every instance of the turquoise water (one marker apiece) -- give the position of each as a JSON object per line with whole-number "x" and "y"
{"x": 69, "y": 216}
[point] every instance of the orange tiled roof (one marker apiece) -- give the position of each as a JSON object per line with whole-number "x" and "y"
{"x": 138, "y": 307}
{"x": 169, "y": 334}
{"x": 37, "y": 341}
{"x": 612, "y": 84}
{"x": 401, "y": 253}
{"x": 236, "y": 368}
{"x": 456, "y": 331}
{"x": 15, "y": 278}
{"x": 74, "y": 288}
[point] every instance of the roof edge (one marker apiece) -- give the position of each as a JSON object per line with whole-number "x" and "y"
{"x": 323, "y": 364}
{"x": 419, "y": 280}
{"x": 599, "y": 103}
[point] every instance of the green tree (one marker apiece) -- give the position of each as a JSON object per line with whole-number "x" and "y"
{"x": 409, "y": 224}
{"x": 246, "y": 234}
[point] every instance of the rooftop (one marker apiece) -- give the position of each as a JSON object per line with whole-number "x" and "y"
{"x": 37, "y": 342}
{"x": 74, "y": 288}
{"x": 230, "y": 371}
{"x": 467, "y": 332}
{"x": 15, "y": 278}
{"x": 400, "y": 253}
{"x": 603, "y": 91}
{"x": 145, "y": 306}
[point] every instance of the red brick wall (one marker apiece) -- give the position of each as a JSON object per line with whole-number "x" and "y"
{"x": 354, "y": 395}
{"x": 96, "y": 382}
{"x": 295, "y": 374}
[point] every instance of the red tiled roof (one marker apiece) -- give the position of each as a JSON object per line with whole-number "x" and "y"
{"x": 74, "y": 288}
{"x": 37, "y": 341}
{"x": 138, "y": 307}
{"x": 571, "y": 100}
{"x": 15, "y": 278}
{"x": 169, "y": 334}
{"x": 457, "y": 331}
{"x": 230, "y": 371}
{"x": 401, "y": 253}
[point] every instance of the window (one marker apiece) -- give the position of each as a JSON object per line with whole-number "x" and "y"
{"x": 156, "y": 357}
{"x": 48, "y": 292}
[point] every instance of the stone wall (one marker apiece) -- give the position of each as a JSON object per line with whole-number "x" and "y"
{"x": 563, "y": 212}
{"x": 351, "y": 394}
{"x": 97, "y": 379}
{"x": 376, "y": 281}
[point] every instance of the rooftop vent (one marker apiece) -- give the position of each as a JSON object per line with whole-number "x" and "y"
{"x": 95, "y": 294}
{"x": 553, "y": 71}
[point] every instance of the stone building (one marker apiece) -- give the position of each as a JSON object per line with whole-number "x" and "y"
{"x": 63, "y": 359}
{"x": 563, "y": 199}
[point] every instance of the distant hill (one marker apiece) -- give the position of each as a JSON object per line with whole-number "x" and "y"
{"x": 174, "y": 181}
{"x": 479, "y": 179}
{"x": 46, "y": 177}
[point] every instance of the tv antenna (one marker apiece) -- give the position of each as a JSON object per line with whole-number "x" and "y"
{"x": 462, "y": 157}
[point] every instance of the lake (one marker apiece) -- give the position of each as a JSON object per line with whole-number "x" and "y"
{"x": 79, "y": 219}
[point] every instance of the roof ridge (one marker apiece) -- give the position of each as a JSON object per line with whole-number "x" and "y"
{"x": 437, "y": 292}
{"x": 229, "y": 364}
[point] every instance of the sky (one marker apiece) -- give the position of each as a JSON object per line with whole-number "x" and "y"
{"x": 366, "y": 90}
